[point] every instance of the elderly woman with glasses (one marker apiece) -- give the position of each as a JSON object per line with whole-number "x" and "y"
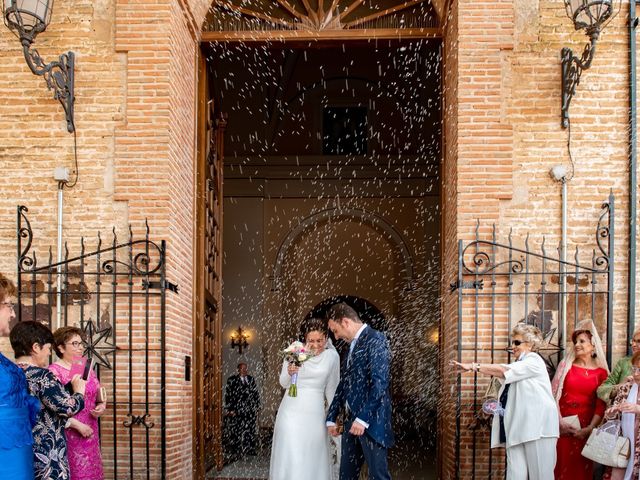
{"x": 18, "y": 409}
{"x": 83, "y": 442}
{"x": 620, "y": 373}
{"x": 528, "y": 426}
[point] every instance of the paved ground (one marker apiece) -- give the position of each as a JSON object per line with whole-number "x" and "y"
{"x": 406, "y": 463}
{"x": 248, "y": 468}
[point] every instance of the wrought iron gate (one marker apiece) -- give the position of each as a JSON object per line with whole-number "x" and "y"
{"x": 116, "y": 294}
{"x": 500, "y": 285}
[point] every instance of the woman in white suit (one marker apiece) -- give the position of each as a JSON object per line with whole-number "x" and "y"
{"x": 529, "y": 428}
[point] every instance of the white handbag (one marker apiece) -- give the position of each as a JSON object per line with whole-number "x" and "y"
{"x": 607, "y": 447}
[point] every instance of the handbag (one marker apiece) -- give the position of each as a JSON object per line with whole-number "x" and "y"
{"x": 573, "y": 420}
{"x": 493, "y": 389}
{"x": 606, "y": 446}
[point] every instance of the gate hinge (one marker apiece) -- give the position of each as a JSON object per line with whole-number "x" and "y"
{"x": 160, "y": 284}
{"x": 475, "y": 284}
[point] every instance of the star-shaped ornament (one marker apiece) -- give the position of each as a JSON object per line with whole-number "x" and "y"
{"x": 98, "y": 343}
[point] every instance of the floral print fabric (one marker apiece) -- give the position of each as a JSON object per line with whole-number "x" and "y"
{"x": 49, "y": 442}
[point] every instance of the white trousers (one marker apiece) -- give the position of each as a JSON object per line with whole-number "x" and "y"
{"x": 532, "y": 460}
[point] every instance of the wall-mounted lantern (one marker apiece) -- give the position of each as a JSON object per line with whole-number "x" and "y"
{"x": 27, "y": 18}
{"x": 240, "y": 339}
{"x": 590, "y": 16}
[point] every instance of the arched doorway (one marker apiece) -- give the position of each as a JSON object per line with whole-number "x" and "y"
{"x": 336, "y": 124}
{"x": 368, "y": 313}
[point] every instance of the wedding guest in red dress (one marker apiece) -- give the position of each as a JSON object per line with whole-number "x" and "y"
{"x": 575, "y": 388}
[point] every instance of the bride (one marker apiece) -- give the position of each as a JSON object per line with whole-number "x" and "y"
{"x": 301, "y": 445}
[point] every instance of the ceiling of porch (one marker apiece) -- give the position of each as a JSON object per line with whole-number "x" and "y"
{"x": 319, "y": 15}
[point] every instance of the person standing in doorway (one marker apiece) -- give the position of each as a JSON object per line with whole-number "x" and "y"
{"x": 363, "y": 396}
{"x": 242, "y": 401}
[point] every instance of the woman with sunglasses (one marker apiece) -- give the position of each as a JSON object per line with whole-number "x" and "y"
{"x": 83, "y": 442}
{"x": 574, "y": 385}
{"x": 626, "y": 406}
{"x": 528, "y": 424}
{"x": 18, "y": 409}
{"x": 620, "y": 373}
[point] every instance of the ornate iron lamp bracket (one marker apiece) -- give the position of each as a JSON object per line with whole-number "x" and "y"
{"x": 572, "y": 68}
{"x": 58, "y": 75}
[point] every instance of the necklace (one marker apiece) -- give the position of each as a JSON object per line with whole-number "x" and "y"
{"x": 586, "y": 369}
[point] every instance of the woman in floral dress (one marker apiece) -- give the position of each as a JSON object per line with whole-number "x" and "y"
{"x": 31, "y": 343}
{"x": 83, "y": 442}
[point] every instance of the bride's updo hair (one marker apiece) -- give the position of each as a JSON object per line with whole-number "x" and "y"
{"x": 313, "y": 324}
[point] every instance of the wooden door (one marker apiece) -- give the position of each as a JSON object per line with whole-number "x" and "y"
{"x": 207, "y": 427}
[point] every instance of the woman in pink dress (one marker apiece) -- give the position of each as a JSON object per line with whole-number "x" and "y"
{"x": 83, "y": 442}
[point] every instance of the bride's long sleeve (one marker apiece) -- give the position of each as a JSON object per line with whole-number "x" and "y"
{"x": 285, "y": 379}
{"x": 333, "y": 379}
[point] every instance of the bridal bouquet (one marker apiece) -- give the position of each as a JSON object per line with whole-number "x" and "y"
{"x": 296, "y": 354}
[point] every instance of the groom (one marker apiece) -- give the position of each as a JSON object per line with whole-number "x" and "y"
{"x": 363, "y": 394}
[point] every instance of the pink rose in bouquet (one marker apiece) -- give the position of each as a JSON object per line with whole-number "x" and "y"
{"x": 296, "y": 354}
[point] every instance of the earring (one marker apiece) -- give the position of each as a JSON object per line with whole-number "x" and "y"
{"x": 594, "y": 355}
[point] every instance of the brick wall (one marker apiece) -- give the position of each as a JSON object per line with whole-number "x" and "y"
{"x": 599, "y": 137}
{"x": 34, "y": 140}
{"x": 182, "y": 212}
{"x": 135, "y": 103}
{"x": 507, "y": 107}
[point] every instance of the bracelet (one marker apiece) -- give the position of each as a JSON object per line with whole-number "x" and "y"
{"x": 475, "y": 367}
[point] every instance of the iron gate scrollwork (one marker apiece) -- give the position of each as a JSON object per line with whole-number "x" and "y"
{"x": 116, "y": 294}
{"x": 500, "y": 285}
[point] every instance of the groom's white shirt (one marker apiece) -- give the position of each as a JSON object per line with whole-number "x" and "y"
{"x": 352, "y": 346}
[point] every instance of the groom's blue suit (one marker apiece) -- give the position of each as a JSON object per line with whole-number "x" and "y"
{"x": 363, "y": 393}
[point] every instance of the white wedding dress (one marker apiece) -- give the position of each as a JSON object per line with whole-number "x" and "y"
{"x": 301, "y": 445}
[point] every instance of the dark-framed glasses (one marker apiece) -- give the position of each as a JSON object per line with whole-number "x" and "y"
{"x": 517, "y": 343}
{"x": 10, "y": 305}
{"x": 75, "y": 344}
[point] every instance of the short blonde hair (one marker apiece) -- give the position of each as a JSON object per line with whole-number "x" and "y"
{"x": 530, "y": 334}
{"x": 7, "y": 288}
